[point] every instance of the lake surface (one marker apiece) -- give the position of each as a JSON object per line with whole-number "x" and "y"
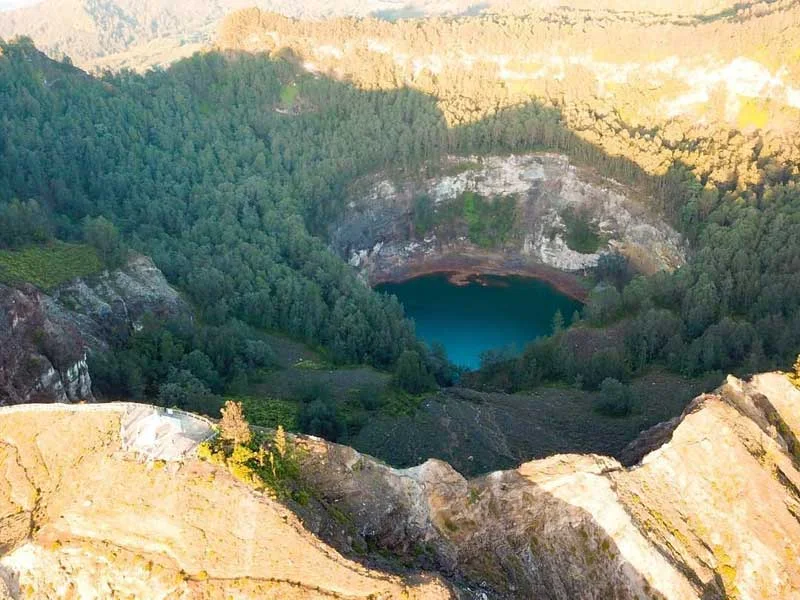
{"x": 486, "y": 313}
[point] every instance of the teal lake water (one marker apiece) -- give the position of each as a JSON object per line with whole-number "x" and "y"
{"x": 492, "y": 313}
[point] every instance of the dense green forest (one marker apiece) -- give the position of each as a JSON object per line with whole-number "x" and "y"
{"x": 226, "y": 169}
{"x": 196, "y": 168}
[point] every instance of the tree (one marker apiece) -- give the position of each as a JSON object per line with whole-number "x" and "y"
{"x": 412, "y": 374}
{"x": 22, "y": 223}
{"x": 604, "y": 304}
{"x": 280, "y": 441}
{"x": 613, "y": 268}
{"x": 184, "y": 390}
{"x": 234, "y": 427}
{"x": 558, "y": 322}
{"x": 104, "y": 236}
{"x": 320, "y": 418}
{"x": 615, "y": 398}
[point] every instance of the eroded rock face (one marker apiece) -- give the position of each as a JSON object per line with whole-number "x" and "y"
{"x": 377, "y": 233}
{"x": 45, "y": 338}
{"x": 82, "y": 517}
{"x": 712, "y": 512}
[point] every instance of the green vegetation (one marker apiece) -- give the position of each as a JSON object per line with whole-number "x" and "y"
{"x": 412, "y": 373}
{"x": 264, "y": 461}
{"x": 615, "y": 398}
{"x": 424, "y": 215}
{"x": 794, "y": 375}
{"x": 289, "y": 94}
{"x": 181, "y": 363}
{"x": 270, "y": 412}
{"x": 234, "y": 204}
{"x": 47, "y": 266}
{"x": 226, "y": 200}
{"x": 581, "y": 234}
{"x": 104, "y": 237}
{"x": 488, "y": 222}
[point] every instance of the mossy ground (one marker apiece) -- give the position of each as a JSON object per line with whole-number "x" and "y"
{"x": 49, "y": 265}
{"x": 487, "y": 222}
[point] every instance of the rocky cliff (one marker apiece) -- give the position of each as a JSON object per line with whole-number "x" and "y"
{"x": 378, "y": 234}
{"x": 83, "y": 516}
{"x": 709, "y": 510}
{"x": 46, "y": 336}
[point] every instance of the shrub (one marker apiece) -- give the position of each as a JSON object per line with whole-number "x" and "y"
{"x": 411, "y": 373}
{"x": 319, "y": 418}
{"x": 615, "y": 398}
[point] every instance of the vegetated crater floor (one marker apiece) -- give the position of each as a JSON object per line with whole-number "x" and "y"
{"x": 383, "y": 235}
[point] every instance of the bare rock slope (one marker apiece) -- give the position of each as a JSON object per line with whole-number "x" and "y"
{"x": 82, "y": 516}
{"x": 710, "y": 511}
{"x": 377, "y": 231}
{"x": 46, "y": 336}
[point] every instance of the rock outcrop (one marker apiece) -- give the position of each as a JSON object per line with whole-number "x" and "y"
{"x": 376, "y": 233}
{"x": 710, "y": 511}
{"x": 82, "y": 516}
{"x": 46, "y": 337}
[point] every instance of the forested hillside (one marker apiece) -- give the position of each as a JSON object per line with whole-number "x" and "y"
{"x": 134, "y": 34}
{"x": 719, "y": 160}
{"x": 196, "y": 168}
{"x": 227, "y": 167}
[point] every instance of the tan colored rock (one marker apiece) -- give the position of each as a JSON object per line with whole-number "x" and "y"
{"x": 106, "y": 524}
{"x": 711, "y": 513}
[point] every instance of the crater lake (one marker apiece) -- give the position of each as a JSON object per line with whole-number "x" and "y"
{"x": 480, "y": 313}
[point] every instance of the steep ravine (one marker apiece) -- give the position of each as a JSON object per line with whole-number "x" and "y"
{"x": 379, "y": 233}
{"x": 709, "y": 511}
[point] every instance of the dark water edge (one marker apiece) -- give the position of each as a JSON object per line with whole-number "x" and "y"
{"x": 480, "y": 313}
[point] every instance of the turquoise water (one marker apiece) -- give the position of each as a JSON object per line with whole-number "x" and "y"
{"x": 492, "y": 313}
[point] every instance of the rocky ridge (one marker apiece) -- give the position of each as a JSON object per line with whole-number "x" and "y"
{"x": 127, "y": 33}
{"x": 82, "y": 515}
{"x": 46, "y": 337}
{"x": 376, "y": 233}
{"x": 709, "y": 511}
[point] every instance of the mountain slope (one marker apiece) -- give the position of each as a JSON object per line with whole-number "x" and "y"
{"x": 130, "y": 33}
{"x": 46, "y": 336}
{"x": 710, "y": 511}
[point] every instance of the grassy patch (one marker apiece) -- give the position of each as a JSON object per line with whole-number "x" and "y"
{"x": 48, "y": 266}
{"x": 456, "y": 168}
{"x": 397, "y": 402}
{"x": 581, "y": 234}
{"x": 312, "y": 365}
{"x": 489, "y": 222}
{"x": 270, "y": 412}
{"x": 289, "y": 94}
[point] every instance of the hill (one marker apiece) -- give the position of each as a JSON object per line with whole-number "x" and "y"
{"x": 137, "y": 35}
